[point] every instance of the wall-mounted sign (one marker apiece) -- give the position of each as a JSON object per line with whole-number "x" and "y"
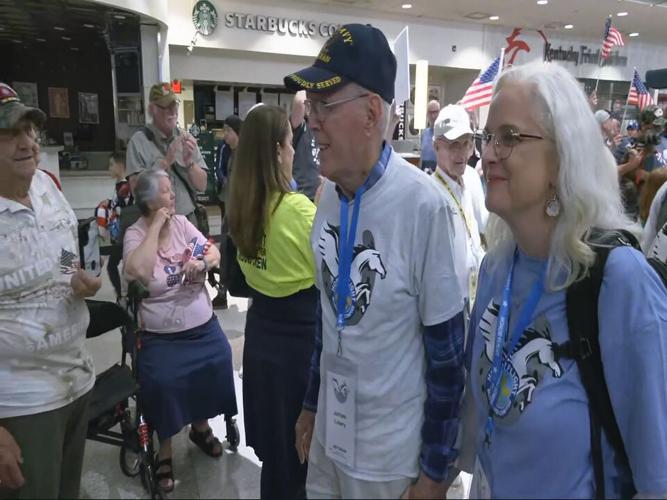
{"x": 280, "y": 25}
{"x": 204, "y": 17}
{"x": 585, "y": 55}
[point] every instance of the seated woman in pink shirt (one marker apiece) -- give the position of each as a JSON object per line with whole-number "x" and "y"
{"x": 185, "y": 366}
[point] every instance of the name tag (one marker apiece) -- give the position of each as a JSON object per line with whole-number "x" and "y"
{"x": 341, "y": 409}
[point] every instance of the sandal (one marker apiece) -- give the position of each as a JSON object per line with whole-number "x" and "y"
{"x": 161, "y": 476}
{"x": 206, "y": 441}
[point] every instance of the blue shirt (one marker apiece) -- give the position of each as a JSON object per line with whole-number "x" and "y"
{"x": 428, "y": 153}
{"x": 542, "y": 446}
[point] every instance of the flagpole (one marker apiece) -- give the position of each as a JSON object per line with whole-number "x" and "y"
{"x": 502, "y": 61}
{"x": 627, "y": 99}
{"x": 597, "y": 82}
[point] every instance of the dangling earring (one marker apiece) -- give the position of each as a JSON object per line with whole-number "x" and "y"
{"x": 553, "y": 207}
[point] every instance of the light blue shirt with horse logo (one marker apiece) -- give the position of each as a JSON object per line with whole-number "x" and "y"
{"x": 541, "y": 446}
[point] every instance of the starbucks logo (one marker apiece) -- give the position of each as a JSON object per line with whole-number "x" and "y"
{"x": 204, "y": 17}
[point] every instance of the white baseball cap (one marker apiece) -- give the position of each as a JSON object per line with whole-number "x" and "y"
{"x": 452, "y": 122}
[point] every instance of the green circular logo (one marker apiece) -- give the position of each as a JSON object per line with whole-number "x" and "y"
{"x": 204, "y": 17}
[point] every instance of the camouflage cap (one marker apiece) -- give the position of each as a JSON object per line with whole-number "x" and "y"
{"x": 162, "y": 94}
{"x": 652, "y": 115}
{"x": 12, "y": 110}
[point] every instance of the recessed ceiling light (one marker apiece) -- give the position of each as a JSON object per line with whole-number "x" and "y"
{"x": 87, "y": 25}
{"x": 634, "y": 34}
{"x": 407, "y": 6}
{"x": 17, "y": 41}
{"x": 568, "y": 26}
{"x": 494, "y": 18}
{"x": 621, "y": 14}
{"x": 2, "y": 28}
{"x": 59, "y": 28}
{"x": 542, "y": 2}
{"x": 119, "y": 16}
{"x": 66, "y": 38}
{"x": 41, "y": 39}
{"x": 76, "y": 49}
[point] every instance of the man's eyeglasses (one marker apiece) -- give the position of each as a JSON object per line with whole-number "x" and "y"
{"x": 322, "y": 109}
{"x": 504, "y": 140}
{"x": 171, "y": 109}
{"x": 27, "y": 128}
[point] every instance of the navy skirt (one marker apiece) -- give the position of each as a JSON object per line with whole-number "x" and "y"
{"x": 279, "y": 342}
{"x": 185, "y": 377}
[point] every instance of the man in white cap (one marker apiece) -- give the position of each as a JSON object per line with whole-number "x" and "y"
{"x": 453, "y": 145}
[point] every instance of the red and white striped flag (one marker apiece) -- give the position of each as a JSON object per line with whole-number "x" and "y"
{"x": 481, "y": 91}
{"x": 612, "y": 37}
{"x": 639, "y": 94}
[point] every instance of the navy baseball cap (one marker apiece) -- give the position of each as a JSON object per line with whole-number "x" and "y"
{"x": 356, "y": 53}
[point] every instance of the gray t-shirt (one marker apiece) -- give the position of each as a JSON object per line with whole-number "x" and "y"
{"x": 143, "y": 153}
{"x": 306, "y": 165}
{"x": 403, "y": 277}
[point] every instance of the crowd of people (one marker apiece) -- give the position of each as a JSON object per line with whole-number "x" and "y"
{"x": 405, "y": 323}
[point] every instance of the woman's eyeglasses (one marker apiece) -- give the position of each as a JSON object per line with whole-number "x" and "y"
{"x": 504, "y": 140}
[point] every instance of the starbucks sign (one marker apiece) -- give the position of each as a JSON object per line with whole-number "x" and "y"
{"x": 204, "y": 17}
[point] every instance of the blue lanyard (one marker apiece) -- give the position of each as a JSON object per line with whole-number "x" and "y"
{"x": 495, "y": 376}
{"x": 344, "y": 307}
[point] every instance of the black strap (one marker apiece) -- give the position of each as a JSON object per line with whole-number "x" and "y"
{"x": 584, "y": 347}
{"x": 298, "y": 132}
{"x": 151, "y": 137}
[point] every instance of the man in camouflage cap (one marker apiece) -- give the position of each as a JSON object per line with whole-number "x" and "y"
{"x": 46, "y": 372}
{"x": 162, "y": 145}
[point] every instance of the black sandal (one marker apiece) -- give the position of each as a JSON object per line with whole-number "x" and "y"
{"x": 201, "y": 439}
{"x": 160, "y": 476}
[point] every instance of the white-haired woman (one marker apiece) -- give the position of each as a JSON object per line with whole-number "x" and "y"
{"x": 551, "y": 180}
{"x": 185, "y": 365}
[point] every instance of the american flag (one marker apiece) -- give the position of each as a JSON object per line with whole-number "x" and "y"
{"x": 612, "y": 37}
{"x": 68, "y": 262}
{"x": 639, "y": 95}
{"x": 480, "y": 92}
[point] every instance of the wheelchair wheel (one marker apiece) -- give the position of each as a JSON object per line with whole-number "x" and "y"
{"x": 130, "y": 461}
{"x": 233, "y": 436}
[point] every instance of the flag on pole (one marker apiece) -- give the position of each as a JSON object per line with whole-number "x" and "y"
{"x": 612, "y": 37}
{"x": 639, "y": 94}
{"x": 480, "y": 92}
{"x": 402, "y": 82}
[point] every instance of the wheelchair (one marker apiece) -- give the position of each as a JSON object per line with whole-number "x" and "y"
{"x": 115, "y": 387}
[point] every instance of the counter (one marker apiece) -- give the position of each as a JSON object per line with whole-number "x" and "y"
{"x": 48, "y": 159}
{"x": 84, "y": 189}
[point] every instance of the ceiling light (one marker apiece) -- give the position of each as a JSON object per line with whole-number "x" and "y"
{"x": 17, "y": 41}
{"x": 542, "y": 2}
{"x": 66, "y": 38}
{"x": 41, "y": 39}
{"x": 59, "y": 28}
{"x": 634, "y": 34}
{"x": 88, "y": 25}
{"x": 568, "y": 26}
{"x": 407, "y": 5}
{"x": 494, "y": 18}
{"x": 76, "y": 49}
{"x": 119, "y": 16}
{"x": 621, "y": 14}
{"x": 2, "y": 28}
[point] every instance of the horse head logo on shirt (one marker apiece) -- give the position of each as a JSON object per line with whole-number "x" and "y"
{"x": 366, "y": 264}
{"x": 532, "y": 356}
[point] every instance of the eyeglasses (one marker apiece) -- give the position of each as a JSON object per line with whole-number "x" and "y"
{"x": 12, "y": 133}
{"x": 455, "y": 146}
{"x": 322, "y": 109}
{"x": 171, "y": 109}
{"x": 504, "y": 140}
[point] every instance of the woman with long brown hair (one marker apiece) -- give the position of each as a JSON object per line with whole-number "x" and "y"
{"x": 270, "y": 226}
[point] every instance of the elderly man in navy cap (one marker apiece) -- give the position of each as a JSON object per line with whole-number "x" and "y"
{"x": 387, "y": 376}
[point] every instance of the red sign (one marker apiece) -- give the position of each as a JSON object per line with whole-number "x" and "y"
{"x": 176, "y": 86}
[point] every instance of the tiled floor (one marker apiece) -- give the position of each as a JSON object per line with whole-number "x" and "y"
{"x": 197, "y": 475}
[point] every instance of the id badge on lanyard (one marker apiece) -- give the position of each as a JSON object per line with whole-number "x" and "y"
{"x": 341, "y": 373}
{"x": 341, "y": 409}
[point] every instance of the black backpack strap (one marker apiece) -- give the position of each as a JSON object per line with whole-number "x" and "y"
{"x": 584, "y": 347}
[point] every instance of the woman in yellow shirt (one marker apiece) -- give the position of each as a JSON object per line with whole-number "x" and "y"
{"x": 270, "y": 226}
